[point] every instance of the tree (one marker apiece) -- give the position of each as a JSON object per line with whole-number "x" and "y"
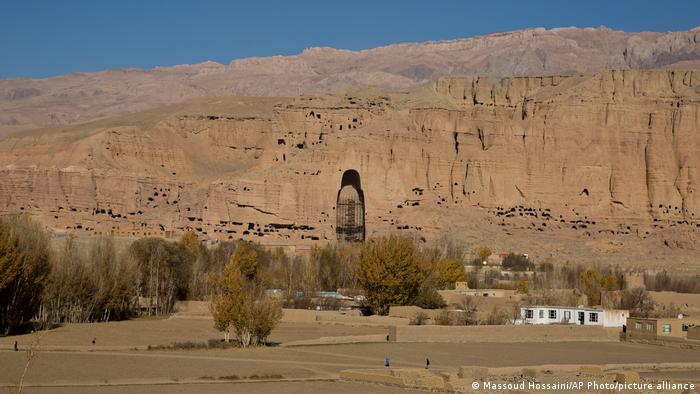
{"x": 328, "y": 261}
{"x": 593, "y": 283}
{"x": 590, "y": 284}
{"x": 469, "y": 306}
{"x": 86, "y": 287}
{"x": 240, "y": 303}
{"x": 24, "y": 267}
{"x": 637, "y": 301}
{"x": 165, "y": 271}
{"x": 247, "y": 259}
{"x": 483, "y": 253}
{"x": 190, "y": 241}
{"x": 449, "y": 272}
{"x": 228, "y": 295}
{"x": 523, "y": 286}
{"x": 389, "y": 272}
{"x": 517, "y": 262}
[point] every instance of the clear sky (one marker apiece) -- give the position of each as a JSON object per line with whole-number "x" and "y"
{"x": 52, "y": 37}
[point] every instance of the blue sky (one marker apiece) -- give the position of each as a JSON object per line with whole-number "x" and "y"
{"x": 51, "y": 37}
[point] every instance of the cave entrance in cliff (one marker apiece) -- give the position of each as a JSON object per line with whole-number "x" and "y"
{"x": 350, "y": 209}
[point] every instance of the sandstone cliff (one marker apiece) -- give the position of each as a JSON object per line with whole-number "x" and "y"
{"x": 590, "y": 168}
{"x": 28, "y": 103}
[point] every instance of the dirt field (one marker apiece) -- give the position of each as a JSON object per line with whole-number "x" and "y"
{"x": 68, "y": 362}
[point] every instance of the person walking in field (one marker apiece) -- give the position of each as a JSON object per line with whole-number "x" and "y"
{"x": 387, "y": 361}
{"x": 16, "y": 347}
{"x": 427, "y": 363}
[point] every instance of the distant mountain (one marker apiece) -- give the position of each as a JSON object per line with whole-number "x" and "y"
{"x": 32, "y": 103}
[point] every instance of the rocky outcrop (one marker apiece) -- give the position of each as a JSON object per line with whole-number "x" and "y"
{"x": 27, "y": 103}
{"x": 574, "y": 166}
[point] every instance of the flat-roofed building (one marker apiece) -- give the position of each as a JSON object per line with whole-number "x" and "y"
{"x": 642, "y": 328}
{"x": 546, "y": 314}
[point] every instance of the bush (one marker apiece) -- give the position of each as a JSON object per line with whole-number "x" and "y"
{"x": 443, "y": 318}
{"x": 429, "y": 298}
{"x": 496, "y": 318}
{"x": 469, "y": 306}
{"x": 418, "y": 319}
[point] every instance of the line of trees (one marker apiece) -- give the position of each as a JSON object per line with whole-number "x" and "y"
{"x": 663, "y": 281}
{"x": 24, "y": 270}
{"x": 86, "y": 282}
{"x": 95, "y": 280}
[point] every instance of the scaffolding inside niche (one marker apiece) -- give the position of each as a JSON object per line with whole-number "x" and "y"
{"x": 350, "y": 209}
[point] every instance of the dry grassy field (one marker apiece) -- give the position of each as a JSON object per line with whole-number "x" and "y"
{"x": 67, "y": 362}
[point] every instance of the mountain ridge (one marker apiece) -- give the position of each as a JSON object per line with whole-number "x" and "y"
{"x": 78, "y": 97}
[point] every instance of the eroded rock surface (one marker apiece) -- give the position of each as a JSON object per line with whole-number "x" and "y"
{"x": 568, "y": 167}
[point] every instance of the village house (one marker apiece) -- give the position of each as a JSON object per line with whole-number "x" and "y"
{"x": 640, "y": 328}
{"x": 573, "y": 315}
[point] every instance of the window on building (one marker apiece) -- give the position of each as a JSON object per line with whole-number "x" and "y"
{"x": 638, "y": 326}
{"x": 567, "y": 315}
{"x": 552, "y": 314}
{"x": 667, "y": 328}
{"x": 541, "y": 313}
{"x": 650, "y": 326}
{"x": 529, "y": 313}
{"x": 593, "y": 317}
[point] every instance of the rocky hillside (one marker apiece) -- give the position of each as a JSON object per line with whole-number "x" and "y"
{"x": 72, "y": 98}
{"x": 585, "y": 168}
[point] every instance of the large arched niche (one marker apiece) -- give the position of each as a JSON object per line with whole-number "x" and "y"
{"x": 350, "y": 209}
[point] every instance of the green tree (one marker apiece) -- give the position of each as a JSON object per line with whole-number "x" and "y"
{"x": 390, "y": 272}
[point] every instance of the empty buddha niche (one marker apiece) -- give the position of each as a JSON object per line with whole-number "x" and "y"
{"x": 350, "y": 209}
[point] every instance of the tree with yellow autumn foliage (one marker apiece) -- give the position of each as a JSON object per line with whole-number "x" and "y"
{"x": 390, "y": 272}
{"x": 449, "y": 271}
{"x": 240, "y": 302}
{"x": 593, "y": 283}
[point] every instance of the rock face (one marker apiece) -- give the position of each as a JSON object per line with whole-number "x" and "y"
{"x": 72, "y": 98}
{"x": 578, "y": 167}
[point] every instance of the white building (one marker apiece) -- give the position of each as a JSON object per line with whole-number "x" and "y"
{"x": 573, "y": 315}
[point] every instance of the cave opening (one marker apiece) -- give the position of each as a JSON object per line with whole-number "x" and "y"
{"x": 350, "y": 212}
